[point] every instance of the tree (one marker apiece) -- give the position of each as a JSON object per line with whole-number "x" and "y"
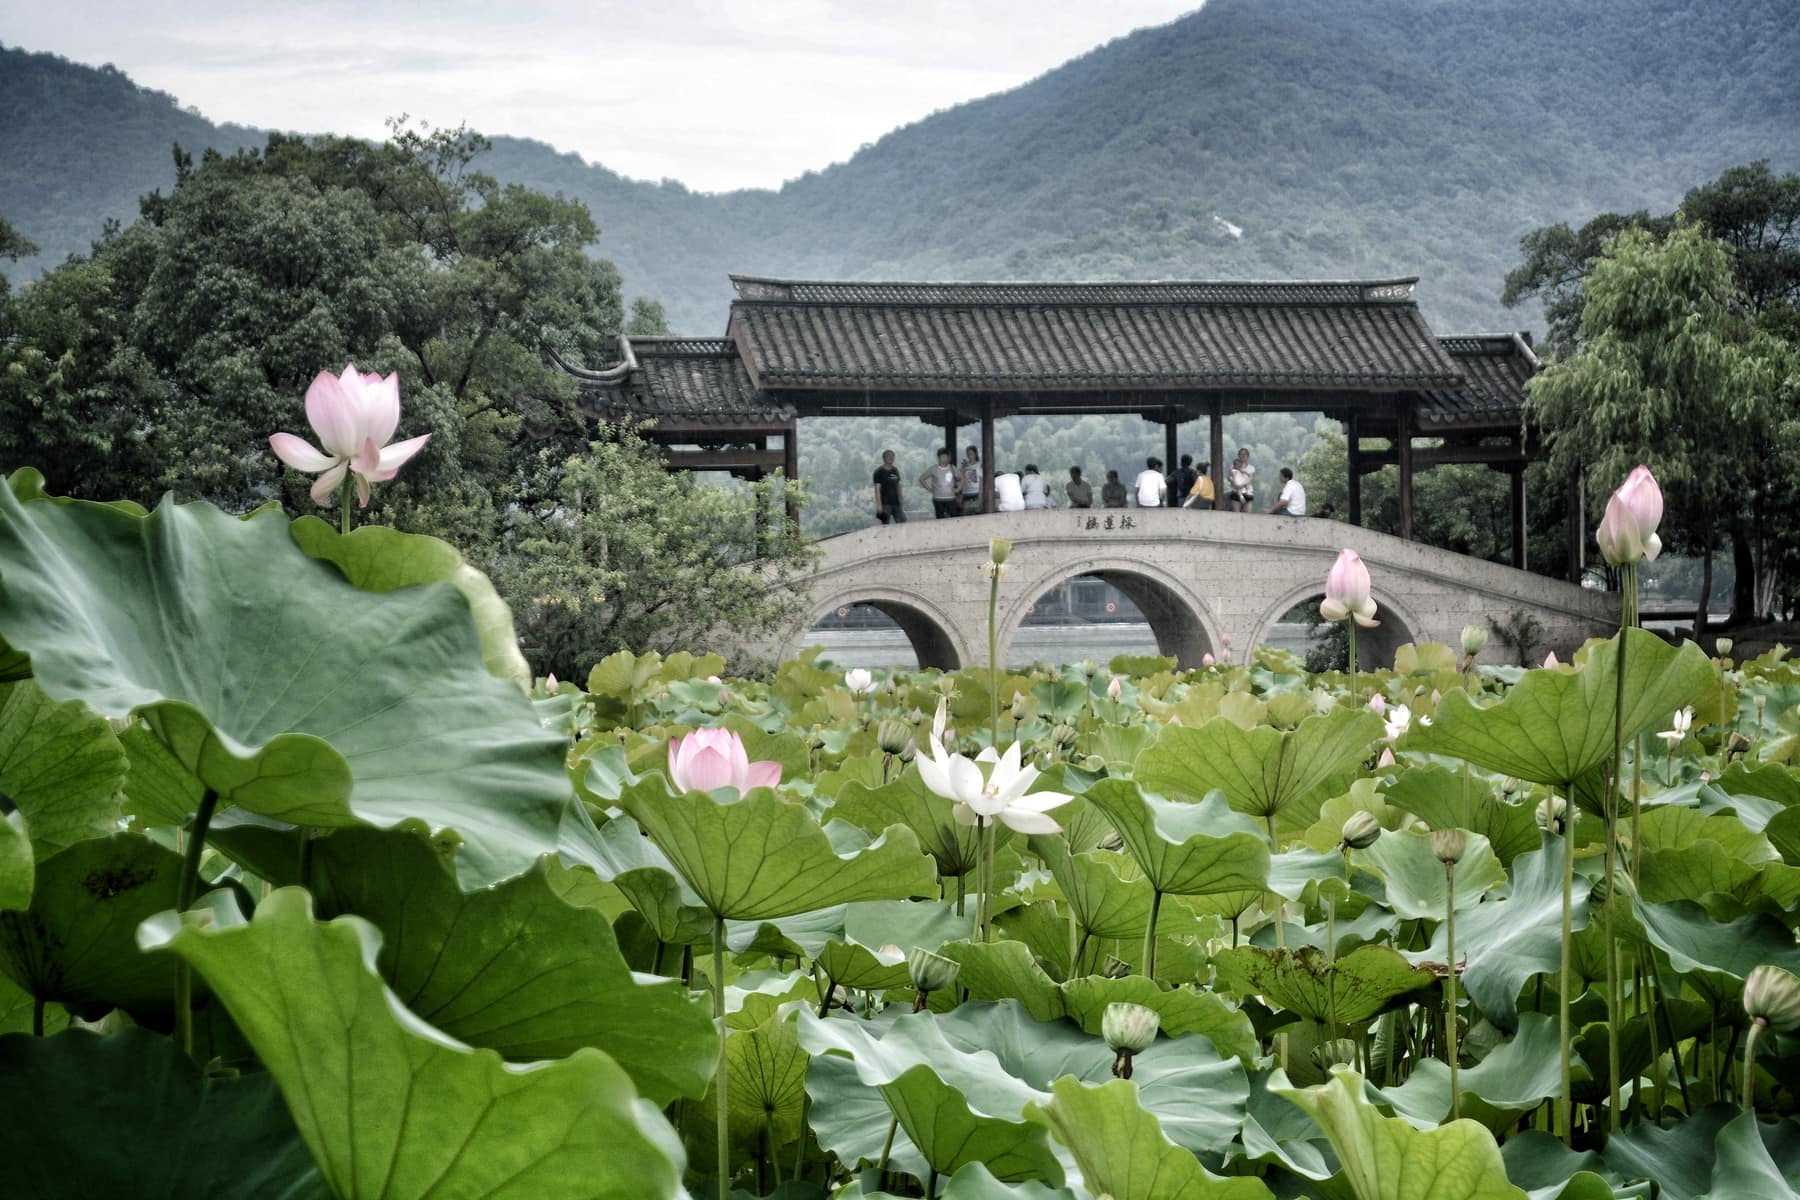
{"x": 631, "y": 556}
{"x": 1673, "y": 374}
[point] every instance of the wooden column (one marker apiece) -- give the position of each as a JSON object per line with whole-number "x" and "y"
{"x": 1577, "y": 526}
{"x": 790, "y": 464}
{"x": 1403, "y": 455}
{"x": 1215, "y": 431}
{"x": 987, "y": 457}
{"x": 1518, "y": 515}
{"x": 1353, "y": 462}
{"x": 950, "y": 436}
{"x": 1170, "y": 448}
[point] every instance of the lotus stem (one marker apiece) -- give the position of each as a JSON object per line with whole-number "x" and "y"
{"x": 1150, "y": 934}
{"x": 1350, "y": 630}
{"x": 1749, "y": 1088}
{"x": 344, "y": 493}
{"x": 186, "y": 890}
{"x": 37, "y": 1016}
{"x": 1566, "y": 1103}
{"x": 723, "y": 1142}
{"x": 1331, "y": 961}
{"x": 1467, "y": 822}
{"x": 993, "y": 633}
{"x": 1275, "y": 899}
{"x": 1450, "y": 1055}
{"x": 1610, "y": 808}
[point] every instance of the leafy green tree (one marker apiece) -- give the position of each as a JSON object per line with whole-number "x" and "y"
{"x": 627, "y": 555}
{"x": 1673, "y": 374}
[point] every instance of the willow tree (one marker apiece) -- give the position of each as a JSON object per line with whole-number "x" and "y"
{"x": 1673, "y": 374}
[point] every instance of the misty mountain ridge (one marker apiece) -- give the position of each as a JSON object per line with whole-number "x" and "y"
{"x": 1251, "y": 139}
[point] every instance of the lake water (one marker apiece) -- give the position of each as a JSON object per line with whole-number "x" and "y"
{"x": 1035, "y": 643}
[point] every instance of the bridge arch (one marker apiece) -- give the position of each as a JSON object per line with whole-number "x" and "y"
{"x": 1375, "y": 647}
{"x": 1184, "y": 627}
{"x": 928, "y": 628}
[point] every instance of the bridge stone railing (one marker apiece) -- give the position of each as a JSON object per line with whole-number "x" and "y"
{"x": 1198, "y": 577}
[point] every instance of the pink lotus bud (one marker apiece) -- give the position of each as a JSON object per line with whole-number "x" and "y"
{"x": 708, "y": 759}
{"x": 1627, "y": 532}
{"x": 1207, "y": 660}
{"x": 550, "y": 682}
{"x": 1347, "y": 591}
{"x": 1378, "y": 704}
{"x": 1550, "y": 660}
{"x": 1113, "y": 689}
{"x": 1387, "y": 757}
{"x": 1225, "y": 640}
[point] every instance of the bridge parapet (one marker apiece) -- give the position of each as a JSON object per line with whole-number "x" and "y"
{"x": 1197, "y": 575}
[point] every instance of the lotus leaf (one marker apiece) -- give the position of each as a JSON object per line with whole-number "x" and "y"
{"x": 759, "y": 857}
{"x": 16, "y": 875}
{"x": 1106, "y": 891}
{"x": 129, "y": 1115}
{"x": 60, "y": 766}
{"x": 1555, "y": 726}
{"x": 1416, "y": 883}
{"x": 1184, "y": 849}
{"x": 907, "y": 801}
{"x": 1263, "y": 770}
{"x": 1683, "y": 1158}
{"x": 390, "y": 1106}
{"x": 1513, "y": 1079}
{"x": 1385, "y": 1158}
{"x": 1743, "y": 1169}
{"x": 276, "y": 681}
{"x": 1549, "y": 1170}
{"x": 1434, "y": 794}
{"x": 1122, "y": 1151}
{"x": 1717, "y": 955}
{"x": 1302, "y": 981}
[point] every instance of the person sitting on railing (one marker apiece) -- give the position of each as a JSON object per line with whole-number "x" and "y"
{"x": 1036, "y": 491}
{"x": 1081, "y": 492}
{"x": 1008, "y": 496}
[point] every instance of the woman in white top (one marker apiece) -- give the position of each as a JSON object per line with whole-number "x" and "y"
{"x": 1242, "y": 491}
{"x": 971, "y": 480}
{"x": 1007, "y": 495}
{"x": 1036, "y": 492}
{"x": 1151, "y": 486}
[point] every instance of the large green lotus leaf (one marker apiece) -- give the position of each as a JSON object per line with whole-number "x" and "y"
{"x": 15, "y": 865}
{"x": 76, "y": 942}
{"x": 1743, "y": 1168}
{"x": 1502, "y": 943}
{"x": 1677, "y": 827}
{"x": 1385, "y": 1158}
{"x": 17, "y": 1010}
{"x": 1783, "y": 831}
{"x": 1184, "y": 849}
{"x": 767, "y": 1097}
{"x": 1513, "y": 1079}
{"x": 619, "y": 853}
{"x": 1122, "y": 1151}
{"x": 759, "y": 857}
{"x": 514, "y": 968}
{"x": 159, "y": 790}
{"x": 1184, "y": 1010}
{"x": 1106, "y": 891}
{"x": 1693, "y": 872}
{"x": 1416, "y": 884}
{"x": 850, "y": 1119}
{"x": 1554, "y": 726}
{"x": 1548, "y": 1170}
{"x": 378, "y": 559}
{"x": 907, "y": 801}
{"x": 1294, "y": 871}
{"x": 276, "y": 681}
{"x": 858, "y": 960}
{"x": 1302, "y": 981}
{"x": 1263, "y": 770}
{"x": 1006, "y": 971}
{"x": 1121, "y": 743}
{"x": 956, "y": 1106}
{"x": 1434, "y": 794}
{"x": 1683, "y": 1158}
{"x": 60, "y": 765}
{"x": 129, "y": 1114}
{"x": 1714, "y": 954}
{"x": 391, "y": 1107}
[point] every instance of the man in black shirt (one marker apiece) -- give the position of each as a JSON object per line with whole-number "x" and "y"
{"x": 1181, "y": 481}
{"x": 888, "y": 505}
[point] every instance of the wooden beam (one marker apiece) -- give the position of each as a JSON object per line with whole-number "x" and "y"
{"x": 1353, "y": 446}
{"x": 987, "y": 458}
{"x": 1169, "y": 446}
{"x": 790, "y": 467}
{"x": 950, "y": 424}
{"x": 723, "y": 460}
{"x": 1215, "y": 432}
{"x": 1403, "y": 454}
{"x": 1440, "y": 456}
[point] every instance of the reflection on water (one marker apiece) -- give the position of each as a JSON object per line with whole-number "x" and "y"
{"x": 1054, "y": 644}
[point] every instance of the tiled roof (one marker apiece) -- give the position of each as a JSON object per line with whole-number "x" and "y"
{"x": 1083, "y": 336}
{"x": 1495, "y": 367}
{"x": 684, "y": 379}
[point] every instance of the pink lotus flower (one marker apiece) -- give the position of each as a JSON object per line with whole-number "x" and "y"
{"x": 353, "y": 414}
{"x": 1378, "y": 704}
{"x": 708, "y": 759}
{"x": 1628, "y": 530}
{"x": 1550, "y": 660}
{"x": 1347, "y": 591}
{"x": 1207, "y": 660}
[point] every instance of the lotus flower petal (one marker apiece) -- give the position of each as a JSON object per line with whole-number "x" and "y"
{"x": 763, "y": 773}
{"x": 335, "y": 412}
{"x": 1026, "y": 821}
{"x": 299, "y": 453}
{"x": 706, "y": 770}
{"x": 395, "y": 456}
{"x": 381, "y": 405}
{"x": 326, "y": 485}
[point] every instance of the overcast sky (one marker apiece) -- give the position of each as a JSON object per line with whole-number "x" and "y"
{"x": 719, "y": 94}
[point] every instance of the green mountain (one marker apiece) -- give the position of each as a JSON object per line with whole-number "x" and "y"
{"x": 1254, "y": 138}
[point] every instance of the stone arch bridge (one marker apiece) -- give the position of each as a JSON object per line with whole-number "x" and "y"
{"x": 1198, "y": 576}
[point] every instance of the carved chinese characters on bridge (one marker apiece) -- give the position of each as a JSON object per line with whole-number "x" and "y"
{"x": 1097, "y": 523}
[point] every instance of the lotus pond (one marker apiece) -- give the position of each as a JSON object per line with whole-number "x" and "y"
{"x": 308, "y": 890}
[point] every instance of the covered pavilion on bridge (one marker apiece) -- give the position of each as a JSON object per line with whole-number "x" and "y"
{"x": 967, "y": 354}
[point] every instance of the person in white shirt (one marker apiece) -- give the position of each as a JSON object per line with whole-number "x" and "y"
{"x": 1007, "y": 495}
{"x": 1292, "y": 501}
{"x": 1035, "y": 490}
{"x": 1151, "y": 486}
{"x": 1242, "y": 490}
{"x": 942, "y": 482}
{"x": 971, "y": 481}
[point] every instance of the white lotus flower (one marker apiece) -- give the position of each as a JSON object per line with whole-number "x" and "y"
{"x": 997, "y": 794}
{"x": 859, "y": 681}
{"x": 1679, "y": 725}
{"x": 1398, "y": 720}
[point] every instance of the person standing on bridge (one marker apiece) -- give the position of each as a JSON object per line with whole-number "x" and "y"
{"x": 1080, "y": 491}
{"x": 942, "y": 481}
{"x": 889, "y": 506}
{"x": 1292, "y": 501}
{"x": 1151, "y": 486}
{"x": 971, "y": 481}
{"x": 1181, "y": 481}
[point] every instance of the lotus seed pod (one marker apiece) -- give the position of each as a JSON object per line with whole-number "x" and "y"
{"x": 1129, "y": 1027}
{"x": 1552, "y": 814}
{"x": 1360, "y": 830}
{"x": 946, "y": 686}
{"x": 911, "y": 752}
{"x": 1064, "y": 735}
{"x": 931, "y": 972}
{"x": 1335, "y": 1052}
{"x": 1723, "y": 646}
{"x": 1448, "y": 844}
{"x": 1115, "y": 967}
{"x": 1020, "y": 709}
{"x": 892, "y": 736}
{"x": 816, "y": 739}
{"x": 1772, "y": 996}
{"x": 998, "y": 550}
{"x": 1112, "y": 841}
{"x": 1474, "y": 639}
{"x": 1089, "y": 668}
{"x": 1509, "y": 786}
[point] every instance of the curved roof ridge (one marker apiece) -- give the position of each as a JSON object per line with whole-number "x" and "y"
{"x": 758, "y": 288}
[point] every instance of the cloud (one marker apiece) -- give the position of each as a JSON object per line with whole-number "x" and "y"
{"x": 716, "y": 93}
